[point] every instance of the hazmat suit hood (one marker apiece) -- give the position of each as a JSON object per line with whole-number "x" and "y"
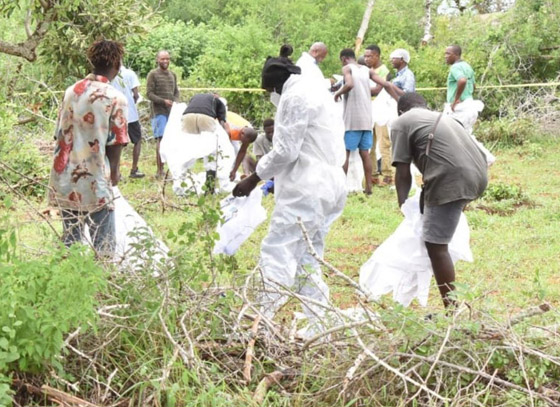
{"x": 276, "y": 72}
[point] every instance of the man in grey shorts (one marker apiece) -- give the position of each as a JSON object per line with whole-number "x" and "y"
{"x": 453, "y": 171}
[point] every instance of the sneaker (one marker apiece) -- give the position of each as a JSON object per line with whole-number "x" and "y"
{"x": 136, "y": 174}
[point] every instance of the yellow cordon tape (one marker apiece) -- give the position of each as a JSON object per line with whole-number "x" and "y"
{"x": 519, "y": 85}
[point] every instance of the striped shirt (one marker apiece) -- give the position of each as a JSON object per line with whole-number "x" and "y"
{"x": 162, "y": 85}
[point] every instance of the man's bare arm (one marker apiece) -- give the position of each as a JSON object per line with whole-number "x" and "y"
{"x": 403, "y": 181}
{"x": 348, "y": 83}
{"x": 114, "y": 155}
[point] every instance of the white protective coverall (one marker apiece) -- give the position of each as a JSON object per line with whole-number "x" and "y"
{"x": 306, "y": 163}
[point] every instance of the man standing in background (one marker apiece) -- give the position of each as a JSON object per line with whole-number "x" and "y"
{"x": 460, "y": 81}
{"x": 127, "y": 83}
{"x": 357, "y": 112}
{"x": 162, "y": 91}
{"x": 372, "y": 57}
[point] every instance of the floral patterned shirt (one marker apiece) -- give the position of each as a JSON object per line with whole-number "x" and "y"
{"x": 93, "y": 116}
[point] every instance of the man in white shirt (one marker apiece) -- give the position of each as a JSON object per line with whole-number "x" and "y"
{"x": 127, "y": 83}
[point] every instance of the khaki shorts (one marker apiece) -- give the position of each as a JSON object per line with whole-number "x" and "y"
{"x": 196, "y": 123}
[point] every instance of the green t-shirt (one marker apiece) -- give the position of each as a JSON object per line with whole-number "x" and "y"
{"x": 460, "y": 70}
{"x": 382, "y": 71}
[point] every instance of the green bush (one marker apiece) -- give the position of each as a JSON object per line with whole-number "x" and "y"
{"x": 506, "y": 131}
{"x": 19, "y": 152}
{"x": 184, "y": 41}
{"x": 41, "y": 301}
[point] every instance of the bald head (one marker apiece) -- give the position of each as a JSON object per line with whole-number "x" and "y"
{"x": 318, "y": 51}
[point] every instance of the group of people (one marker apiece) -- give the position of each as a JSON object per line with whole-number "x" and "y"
{"x": 305, "y": 149}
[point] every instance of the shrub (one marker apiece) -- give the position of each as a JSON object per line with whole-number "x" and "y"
{"x": 42, "y": 300}
{"x": 18, "y": 151}
{"x": 506, "y": 131}
{"x": 184, "y": 41}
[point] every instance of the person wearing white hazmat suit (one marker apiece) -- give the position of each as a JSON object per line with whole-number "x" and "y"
{"x": 309, "y": 183}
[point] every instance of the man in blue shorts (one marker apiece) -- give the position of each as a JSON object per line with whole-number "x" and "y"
{"x": 357, "y": 111}
{"x": 162, "y": 91}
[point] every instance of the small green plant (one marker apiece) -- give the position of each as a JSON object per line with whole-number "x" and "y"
{"x": 41, "y": 300}
{"x": 500, "y": 192}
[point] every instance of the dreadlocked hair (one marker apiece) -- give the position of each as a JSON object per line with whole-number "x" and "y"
{"x": 104, "y": 54}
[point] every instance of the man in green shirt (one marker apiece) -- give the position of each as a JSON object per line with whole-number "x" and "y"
{"x": 372, "y": 56}
{"x": 460, "y": 81}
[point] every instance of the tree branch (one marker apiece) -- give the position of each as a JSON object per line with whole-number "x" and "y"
{"x": 27, "y": 48}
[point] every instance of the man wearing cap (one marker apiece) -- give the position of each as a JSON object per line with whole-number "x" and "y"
{"x": 310, "y": 187}
{"x": 405, "y": 81}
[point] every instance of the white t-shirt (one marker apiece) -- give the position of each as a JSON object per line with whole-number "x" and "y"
{"x": 125, "y": 81}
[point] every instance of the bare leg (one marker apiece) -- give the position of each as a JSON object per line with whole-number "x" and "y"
{"x": 136, "y": 155}
{"x": 444, "y": 271}
{"x": 366, "y": 161}
{"x": 345, "y": 166}
{"x": 159, "y": 173}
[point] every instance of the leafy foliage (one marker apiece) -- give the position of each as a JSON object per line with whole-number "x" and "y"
{"x": 184, "y": 41}
{"x": 40, "y": 301}
{"x": 18, "y": 151}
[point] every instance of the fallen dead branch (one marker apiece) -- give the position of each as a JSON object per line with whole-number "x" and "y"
{"x": 251, "y": 350}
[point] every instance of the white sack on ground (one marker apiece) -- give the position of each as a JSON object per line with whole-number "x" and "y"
{"x": 137, "y": 247}
{"x": 401, "y": 264}
{"x": 180, "y": 151}
{"x": 466, "y": 113}
{"x": 240, "y": 217}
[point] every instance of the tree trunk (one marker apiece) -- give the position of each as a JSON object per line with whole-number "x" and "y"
{"x": 363, "y": 26}
{"x": 427, "y": 23}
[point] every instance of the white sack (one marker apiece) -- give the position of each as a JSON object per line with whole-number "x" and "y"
{"x": 466, "y": 113}
{"x": 180, "y": 151}
{"x": 137, "y": 247}
{"x": 240, "y": 217}
{"x": 384, "y": 109}
{"x": 401, "y": 264}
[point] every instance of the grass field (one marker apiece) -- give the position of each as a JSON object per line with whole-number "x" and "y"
{"x": 516, "y": 245}
{"x": 514, "y": 239}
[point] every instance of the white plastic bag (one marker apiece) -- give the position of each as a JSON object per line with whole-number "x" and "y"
{"x": 240, "y": 217}
{"x": 137, "y": 247}
{"x": 466, "y": 113}
{"x": 401, "y": 264}
{"x": 384, "y": 109}
{"x": 180, "y": 151}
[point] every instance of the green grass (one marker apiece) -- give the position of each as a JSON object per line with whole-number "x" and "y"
{"x": 516, "y": 255}
{"x": 515, "y": 243}
{"x": 515, "y": 248}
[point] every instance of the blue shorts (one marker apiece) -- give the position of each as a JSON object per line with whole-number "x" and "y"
{"x": 358, "y": 139}
{"x": 158, "y": 125}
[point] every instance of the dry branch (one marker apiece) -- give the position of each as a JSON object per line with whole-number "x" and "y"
{"x": 54, "y": 395}
{"x": 270, "y": 379}
{"x": 251, "y": 350}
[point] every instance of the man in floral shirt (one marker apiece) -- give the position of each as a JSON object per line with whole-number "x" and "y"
{"x": 90, "y": 133}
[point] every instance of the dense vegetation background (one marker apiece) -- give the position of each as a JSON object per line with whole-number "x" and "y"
{"x": 133, "y": 340}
